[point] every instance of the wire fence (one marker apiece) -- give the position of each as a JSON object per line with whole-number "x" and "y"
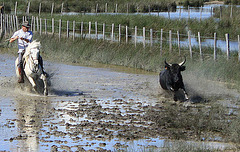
{"x": 124, "y": 34}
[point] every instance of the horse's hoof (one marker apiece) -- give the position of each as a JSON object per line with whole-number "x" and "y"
{"x": 35, "y": 88}
{"x": 45, "y": 93}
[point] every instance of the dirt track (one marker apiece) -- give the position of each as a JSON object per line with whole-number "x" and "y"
{"x": 90, "y": 108}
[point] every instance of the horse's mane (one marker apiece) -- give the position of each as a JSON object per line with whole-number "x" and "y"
{"x": 32, "y": 45}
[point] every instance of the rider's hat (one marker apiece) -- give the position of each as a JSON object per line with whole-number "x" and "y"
{"x": 26, "y": 24}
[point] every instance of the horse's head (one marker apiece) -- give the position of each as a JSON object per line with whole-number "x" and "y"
{"x": 33, "y": 52}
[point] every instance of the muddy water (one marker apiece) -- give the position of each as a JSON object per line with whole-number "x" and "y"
{"x": 87, "y": 108}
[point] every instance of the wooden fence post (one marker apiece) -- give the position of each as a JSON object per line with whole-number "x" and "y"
{"x": 34, "y": 24}
{"x": 112, "y": 33}
{"x": 119, "y": 30}
{"x": 62, "y": 9}
{"x": 2, "y": 23}
{"x": 39, "y": 11}
{"x": 190, "y": 45}
{"x": 96, "y": 30}
{"x": 170, "y": 41}
{"x": 6, "y": 21}
{"x": 103, "y": 31}
{"x": 106, "y": 7}
{"x": 28, "y": 8}
{"x": 37, "y": 24}
{"x": 52, "y": 9}
{"x": 40, "y": 26}
{"x": 227, "y": 43}
{"x": 15, "y": 9}
{"x": 215, "y": 47}
{"x": 178, "y": 42}
{"x": 11, "y": 24}
{"x": 52, "y": 26}
{"x": 201, "y": 13}
{"x": 116, "y": 8}
{"x": 200, "y": 46}
{"x": 60, "y": 28}
{"x": 96, "y": 11}
{"x": 14, "y": 23}
{"x": 211, "y": 11}
{"x": 135, "y": 36}
{"x": 67, "y": 29}
{"x": 126, "y": 34}
{"x": 144, "y": 37}
{"x": 161, "y": 41}
{"x": 17, "y": 23}
{"x": 180, "y": 11}
{"x": 149, "y": 10}
{"x": 73, "y": 30}
{"x": 238, "y": 48}
{"x": 81, "y": 29}
{"x": 45, "y": 23}
{"x": 220, "y": 12}
{"x": 169, "y": 13}
{"x": 151, "y": 37}
{"x": 89, "y": 30}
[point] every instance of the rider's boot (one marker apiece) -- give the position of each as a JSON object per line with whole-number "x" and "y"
{"x": 21, "y": 79}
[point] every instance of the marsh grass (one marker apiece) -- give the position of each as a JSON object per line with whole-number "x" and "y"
{"x": 206, "y": 27}
{"x": 90, "y": 6}
{"x": 86, "y": 51}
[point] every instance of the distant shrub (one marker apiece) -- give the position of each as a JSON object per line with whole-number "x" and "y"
{"x": 193, "y": 3}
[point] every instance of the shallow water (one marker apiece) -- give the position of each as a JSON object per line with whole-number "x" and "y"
{"x": 181, "y": 12}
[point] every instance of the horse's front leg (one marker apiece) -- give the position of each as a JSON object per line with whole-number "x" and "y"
{"x": 33, "y": 83}
{"x": 43, "y": 77}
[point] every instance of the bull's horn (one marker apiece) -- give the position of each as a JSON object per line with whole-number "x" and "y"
{"x": 167, "y": 63}
{"x": 182, "y": 63}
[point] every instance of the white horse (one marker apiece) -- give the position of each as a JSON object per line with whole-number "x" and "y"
{"x": 31, "y": 66}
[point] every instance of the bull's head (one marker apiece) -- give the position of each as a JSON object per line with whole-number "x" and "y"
{"x": 175, "y": 70}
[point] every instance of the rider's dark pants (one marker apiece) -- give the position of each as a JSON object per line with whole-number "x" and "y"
{"x": 20, "y": 61}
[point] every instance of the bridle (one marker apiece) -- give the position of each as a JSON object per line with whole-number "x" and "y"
{"x": 34, "y": 61}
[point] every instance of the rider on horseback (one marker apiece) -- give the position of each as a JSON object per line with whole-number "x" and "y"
{"x": 24, "y": 37}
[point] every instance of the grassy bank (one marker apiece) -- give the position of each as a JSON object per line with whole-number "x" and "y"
{"x": 206, "y": 27}
{"x": 88, "y": 52}
{"x": 90, "y": 6}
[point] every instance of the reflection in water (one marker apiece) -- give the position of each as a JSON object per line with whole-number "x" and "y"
{"x": 30, "y": 114}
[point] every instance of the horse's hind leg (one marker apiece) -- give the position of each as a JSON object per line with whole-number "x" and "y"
{"x": 43, "y": 77}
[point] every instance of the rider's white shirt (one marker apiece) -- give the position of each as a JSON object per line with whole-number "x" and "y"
{"x": 21, "y": 43}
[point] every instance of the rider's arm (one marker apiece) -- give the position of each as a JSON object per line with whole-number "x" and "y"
{"x": 24, "y": 39}
{"x": 13, "y": 39}
{"x": 28, "y": 38}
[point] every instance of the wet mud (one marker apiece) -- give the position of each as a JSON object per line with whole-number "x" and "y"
{"x": 101, "y": 109}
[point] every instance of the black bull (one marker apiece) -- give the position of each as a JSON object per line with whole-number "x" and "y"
{"x": 171, "y": 79}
